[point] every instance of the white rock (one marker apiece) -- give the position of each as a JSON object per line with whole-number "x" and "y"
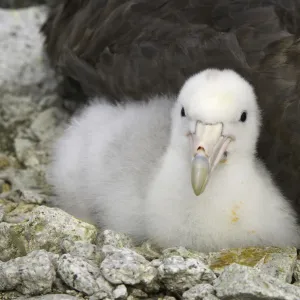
{"x": 180, "y": 274}
{"x": 82, "y": 249}
{"x": 120, "y": 292}
{"x": 115, "y": 239}
{"x": 78, "y": 274}
{"x": 210, "y": 297}
{"x": 45, "y": 228}
{"x": 21, "y": 48}
{"x": 297, "y": 271}
{"x": 274, "y": 261}
{"x": 242, "y": 282}
{"x": 198, "y": 292}
{"x": 46, "y": 124}
{"x": 31, "y": 275}
{"x": 50, "y": 297}
{"x": 128, "y": 267}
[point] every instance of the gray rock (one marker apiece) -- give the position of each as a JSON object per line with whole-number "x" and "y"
{"x": 82, "y": 249}
{"x": 21, "y": 48}
{"x": 46, "y": 124}
{"x": 180, "y": 274}
{"x": 115, "y": 239}
{"x": 274, "y": 261}
{"x": 211, "y": 297}
{"x": 30, "y": 275}
{"x": 128, "y": 267}
{"x": 198, "y": 292}
{"x": 148, "y": 250}
{"x": 137, "y": 293}
{"x": 78, "y": 274}
{"x": 185, "y": 253}
{"x": 45, "y": 229}
{"x": 297, "y": 271}
{"x": 120, "y": 292}
{"x": 105, "y": 289}
{"x": 24, "y": 149}
{"x": 10, "y": 295}
{"x": 50, "y": 297}
{"x": 242, "y": 282}
{"x": 27, "y": 196}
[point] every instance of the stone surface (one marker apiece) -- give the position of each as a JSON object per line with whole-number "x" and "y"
{"x": 21, "y": 49}
{"x": 78, "y": 274}
{"x": 297, "y": 271}
{"x": 45, "y": 229}
{"x": 120, "y": 292}
{"x": 115, "y": 239}
{"x": 198, "y": 292}
{"x": 50, "y": 297}
{"x": 180, "y": 274}
{"x": 148, "y": 250}
{"x": 128, "y": 267}
{"x": 242, "y": 282}
{"x": 82, "y": 249}
{"x": 277, "y": 262}
{"x": 30, "y": 275}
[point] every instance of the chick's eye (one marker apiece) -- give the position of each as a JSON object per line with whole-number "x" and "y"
{"x": 243, "y": 117}
{"x": 182, "y": 112}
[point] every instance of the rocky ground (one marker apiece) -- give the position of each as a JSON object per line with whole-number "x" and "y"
{"x": 47, "y": 254}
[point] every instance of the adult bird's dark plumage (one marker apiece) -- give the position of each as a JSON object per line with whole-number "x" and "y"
{"x": 136, "y": 48}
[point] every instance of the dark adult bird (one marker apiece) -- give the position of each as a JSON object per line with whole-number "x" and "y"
{"x": 133, "y": 49}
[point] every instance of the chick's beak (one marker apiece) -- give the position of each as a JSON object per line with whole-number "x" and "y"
{"x": 208, "y": 147}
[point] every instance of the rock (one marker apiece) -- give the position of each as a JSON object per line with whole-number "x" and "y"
{"x": 120, "y": 292}
{"x": 180, "y": 274}
{"x": 297, "y": 271}
{"x": 198, "y": 292}
{"x": 21, "y": 49}
{"x": 277, "y": 262}
{"x": 25, "y": 151}
{"x": 242, "y": 282}
{"x": 11, "y": 295}
{"x": 19, "y": 110}
{"x": 78, "y": 274}
{"x": 125, "y": 266}
{"x": 46, "y": 124}
{"x": 105, "y": 289}
{"x": 182, "y": 251}
{"x": 83, "y": 249}
{"x": 51, "y": 297}
{"x": 21, "y": 213}
{"x": 27, "y": 196}
{"x": 148, "y": 250}
{"x": 115, "y": 239}
{"x": 138, "y": 294}
{"x": 30, "y": 275}
{"x": 210, "y": 297}
{"x": 45, "y": 229}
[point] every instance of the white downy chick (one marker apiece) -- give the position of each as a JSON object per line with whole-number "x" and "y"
{"x": 183, "y": 174}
